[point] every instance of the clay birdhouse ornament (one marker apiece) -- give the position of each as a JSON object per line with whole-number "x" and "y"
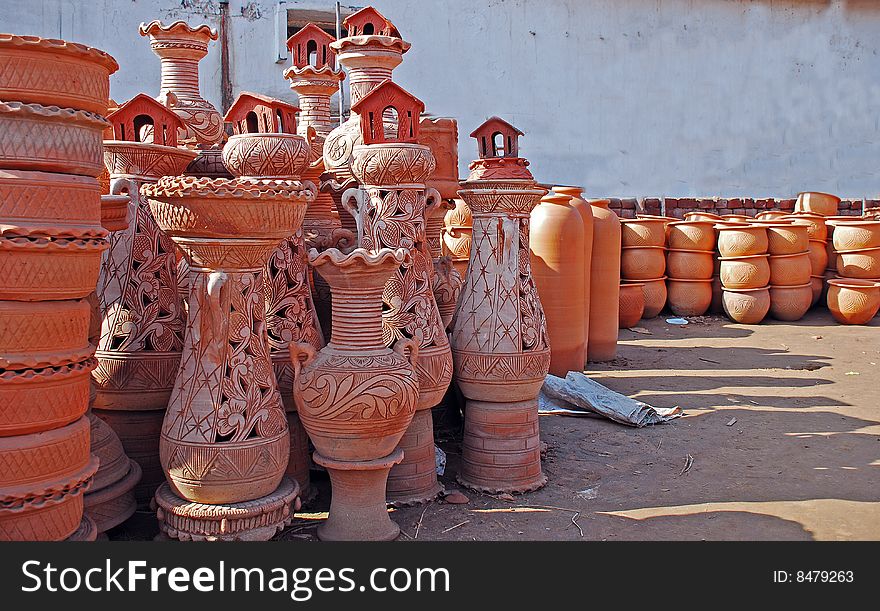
{"x": 252, "y": 113}
{"x": 369, "y": 22}
{"x": 143, "y": 119}
{"x": 311, "y": 47}
{"x": 392, "y": 102}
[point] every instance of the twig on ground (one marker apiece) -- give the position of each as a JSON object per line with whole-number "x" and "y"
{"x": 419, "y": 525}
{"x": 454, "y": 527}
{"x": 688, "y": 463}
{"x": 574, "y": 521}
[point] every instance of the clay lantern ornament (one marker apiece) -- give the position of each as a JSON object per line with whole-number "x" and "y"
{"x": 141, "y": 311}
{"x": 499, "y": 335}
{"x": 390, "y": 212}
{"x": 265, "y": 145}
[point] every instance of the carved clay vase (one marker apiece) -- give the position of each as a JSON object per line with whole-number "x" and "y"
{"x": 691, "y": 235}
{"x": 357, "y": 397}
{"x": 856, "y": 234}
{"x": 690, "y": 264}
{"x": 742, "y": 240}
{"x": 642, "y": 262}
{"x": 632, "y": 305}
{"x": 604, "y": 282}
{"x": 863, "y": 263}
{"x": 390, "y": 213}
{"x": 819, "y": 203}
{"x": 790, "y": 303}
{"x": 655, "y": 295}
{"x": 457, "y": 235}
{"x": 643, "y": 232}
{"x": 852, "y": 301}
{"x": 749, "y": 272}
{"x": 557, "y": 232}
{"x": 746, "y": 306}
{"x": 790, "y": 270}
{"x": 688, "y": 297}
{"x": 580, "y": 204}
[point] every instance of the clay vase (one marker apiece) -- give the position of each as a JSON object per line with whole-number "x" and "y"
{"x": 790, "y": 270}
{"x": 818, "y": 203}
{"x": 457, "y": 235}
{"x": 701, "y": 216}
{"x": 856, "y": 234}
{"x": 356, "y": 397}
{"x": 604, "y": 282}
{"x": 742, "y": 240}
{"x": 655, "y": 295}
{"x": 689, "y": 297}
{"x": 852, "y": 301}
{"x": 790, "y": 303}
{"x": 643, "y": 232}
{"x": 787, "y": 239}
{"x": 557, "y": 236}
{"x": 749, "y": 272}
{"x": 580, "y": 204}
{"x": 863, "y": 264}
{"x": 642, "y": 262}
{"x": 746, "y": 306}
{"x": 632, "y": 305}
{"x": 390, "y": 211}
{"x": 691, "y": 235}
{"x": 690, "y": 264}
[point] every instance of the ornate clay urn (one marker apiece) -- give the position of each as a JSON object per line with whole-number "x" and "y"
{"x": 580, "y": 204}
{"x": 390, "y": 210}
{"x": 225, "y": 443}
{"x": 499, "y": 337}
{"x": 357, "y": 396}
{"x": 605, "y": 283}
{"x": 142, "y": 312}
{"x": 274, "y": 151}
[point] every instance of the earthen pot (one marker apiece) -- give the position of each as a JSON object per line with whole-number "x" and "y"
{"x": 818, "y": 257}
{"x": 790, "y": 303}
{"x": 856, "y": 234}
{"x": 746, "y": 306}
{"x": 737, "y": 218}
{"x": 43, "y": 334}
{"x": 818, "y": 230}
{"x": 790, "y": 270}
{"x": 691, "y": 235}
{"x": 655, "y": 294}
{"x": 60, "y": 205}
{"x": 817, "y": 284}
{"x": 642, "y": 232}
{"x": 642, "y": 262}
{"x": 580, "y": 204}
{"x": 604, "y": 282}
{"x": 690, "y": 264}
{"x": 820, "y": 203}
{"x": 750, "y": 272}
{"x": 666, "y": 219}
{"x": 701, "y": 216}
{"x": 741, "y": 240}
{"x": 689, "y": 297}
{"x": 787, "y": 239}
{"x": 770, "y": 215}
{"x": 765, "y": 222}
{"x": 852, "y": 301}
{"x": 863, "y": 264}
{"x": 632, "y": 304}
{"x": 264, "y": 155}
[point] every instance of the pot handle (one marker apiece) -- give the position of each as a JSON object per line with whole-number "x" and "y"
{"x": 407, "y": 348}
{"x": 353, "y": 201}
{"x": 301, "y": 354}
{"x": 434, "y": 201}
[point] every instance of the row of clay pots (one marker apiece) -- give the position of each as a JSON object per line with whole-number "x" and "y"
{"x": 643, "y": 259}
{"x": 690, "y": 266}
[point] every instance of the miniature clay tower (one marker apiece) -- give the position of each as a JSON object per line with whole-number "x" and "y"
{"x": 51, "y": 242}
{"x": 390, "y": 212}
{"x": 265, "y": 145}
{"x": 142, "y": 312}
{"x": 372, "y": 49}
{"x": 225, "y": 443}
{"x": 357, "y": 396}
{"x": 499, "y": 336}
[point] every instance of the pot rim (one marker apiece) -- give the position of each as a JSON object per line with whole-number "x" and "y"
{"x": 762, "y": 288}
{"x": 643, "y": 219}
{"x": 739, "y": 226}
{"x": 792, "y": 286}
{"x": 823, "y": 242}
{"x": 805, "y": 253}
{"x": 857, "y": 250}
{"x": 854, "y": 283}
{"x": 643, "y": 282}
{"x": 764, "y": 255}
{"x": 697, "y": 222}
{"x": 642, "y": 247}
{"x": 693, "y": 250}
{"x": 633, "y": 283}
{"x": 671, "y": 279}
{"x": 819, "y": 193}
{"x": 856, "y": 222}
{"x": 710, "y": 214}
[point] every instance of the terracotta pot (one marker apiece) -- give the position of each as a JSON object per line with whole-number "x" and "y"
{"x": 853, "y": 302}
{"x": 139, "y": 433}
{"x": 559, "y": 275}
{"x": 741, "y": 240}
{"x": 446, "y": 286}
{"x": 701, "y": 216}
{"x": 655, "y": 295}
{"x": 632, "y": 304}
{"x": 691, "y": 235}
{"x": 43, "y": 334}
{"x": 787, "y": 239}
{"x": 114, "y": 212}
{"x": 604, "y": 282}
{"x": 55, "y": 72}
{"x": 749, "y": 272}
{"x": 790, "y": 303}
{"x": 690, "y": 264}
{"x": 818, "y": 257}
{"x": 746, "y": 306}
{"x": 60, "y": 205}
{"x": 790, "y": 270}
{"x": 643, "y": 232}
{"x": 457, "y": 235}
{"x": 41, "y": 268}
{"x": 863, "y": 264}
{"x": 819, "y": 203}
{"x": 51, "y": 139}
{"x": 817, "y": 284}
{"x": 642, "y": 262}
{"x": 817, "y": 229}
{"x": 689, "y": 297}
{"x": 770, "y": 215}
{"x": 580, "y": 204}
{"x": 266, "y": 155}
{"x": 717, "y": 307}
{"x": 856, "y": 234}
{"x": 765, "y": 222}
{"x": 737, "y": 218}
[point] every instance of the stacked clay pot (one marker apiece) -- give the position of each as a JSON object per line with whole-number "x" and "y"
{"x": 744, "y": 272}
{"x": 690, "y": 266}
{"x": 52, "y": 96}
{"x": 643, "y": 259}
{"x": 856, "y": 244}
{"x": 817, "y": 232}
{"x": 791, "y": 292}
{"x": 632, "y": 305}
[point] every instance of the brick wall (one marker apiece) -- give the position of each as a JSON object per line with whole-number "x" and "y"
{"x": 679, "y": 206}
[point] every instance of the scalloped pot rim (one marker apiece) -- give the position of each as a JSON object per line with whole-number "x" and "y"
{"x": 56, "y": 45}
{"x": 146, "y": 29}
{"x": 358, "y": 255}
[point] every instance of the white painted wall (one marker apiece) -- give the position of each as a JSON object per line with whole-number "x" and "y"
{"x": 628, "y": 97}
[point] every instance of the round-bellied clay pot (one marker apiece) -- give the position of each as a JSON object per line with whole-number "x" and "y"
{"x": 43, "y": 203}
{"x": 817, "y": 284}
{"x": 266, "y": 155}
{"x": 863, "y": 264}
{"x": 770, "y": 215}
{"x": 689, "y": 297}
{"x": 632, "y": 304}
{"x": 787, "y": 239}
{"x": 655, "y": 295}
{"x": 746, "y": 306}
{"x": 690, "y": 264}
{"x": 580, "y": 204}
{"x": 38, "y": 268}
{"x": 748, "y": 272}
{"x": 643, "y": 232}
{"x": 691, "y": 235}
{"x": 604, "y": 282}
{"x": 790, "y": 270}
{"x": 818, "y": 257}
{"x": 852, "y": 301}
{"x": 817, "y": 229}
{"x": 856, "y": 234}
{"x": 701, "y": 216}
{"x": 741, "y": 240}
{"x": 819, "y": 203}
{"x": 790, "y": 303}
{"x": 642, "y": 262}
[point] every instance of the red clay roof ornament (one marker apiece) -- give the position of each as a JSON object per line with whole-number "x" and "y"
{"x": 253, "y": 113}
{"x": 312, "y": 39}
{"x": 369, "y": 22}
{"x": 143, "y": 119}
{"x": 375, "y": 106}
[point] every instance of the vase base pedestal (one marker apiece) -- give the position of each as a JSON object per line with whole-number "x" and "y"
{"x": 414, "y": 480}
{"x": 357, "y": 506}
{"x": 256, "y": 520}
{"x": 114, "y": 504}
{"x": 501, "y": 448}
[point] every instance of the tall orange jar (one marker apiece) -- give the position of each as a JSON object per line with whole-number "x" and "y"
{"x": 583, "y": 208}
{"x": 557, "y": 253}
{"x": 604, "y": 282}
